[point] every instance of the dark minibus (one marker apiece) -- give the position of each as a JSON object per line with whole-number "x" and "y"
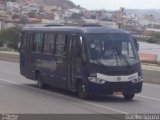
{"x": 89, "y": 60}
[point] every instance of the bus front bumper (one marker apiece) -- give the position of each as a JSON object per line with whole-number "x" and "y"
{"x": 109, "y": 88}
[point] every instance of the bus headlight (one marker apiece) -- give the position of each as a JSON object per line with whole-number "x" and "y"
{"x": 96, "y": 80}
{"x": 139, "y": 79}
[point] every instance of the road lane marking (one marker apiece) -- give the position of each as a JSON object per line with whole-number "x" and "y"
{"x": 10, "y": 81}
{"x": 151, "y": 98}
{"x": 104, "y": 107}
{"x": 153, "y": 85}
{"x": 90, "y": 103}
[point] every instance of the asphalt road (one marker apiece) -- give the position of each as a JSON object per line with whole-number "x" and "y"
{"x": 19, "y": 95}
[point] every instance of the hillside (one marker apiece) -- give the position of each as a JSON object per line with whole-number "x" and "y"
{"x": 155, "y": 12}
{"x": 62, "y": 3}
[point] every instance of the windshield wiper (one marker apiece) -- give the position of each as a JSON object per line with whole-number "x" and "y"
{"x": 123, "y": 57}
{"x": 98, "y": 62}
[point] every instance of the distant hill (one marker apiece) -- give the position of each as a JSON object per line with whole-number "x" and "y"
{"x": 155, "y": 12}
{"x": 62, "y": 3}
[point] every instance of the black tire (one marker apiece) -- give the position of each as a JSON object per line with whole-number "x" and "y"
{"x": 81, "y": 91}
{"x": 40, "y": 83}
{"x": 129, "y": 96}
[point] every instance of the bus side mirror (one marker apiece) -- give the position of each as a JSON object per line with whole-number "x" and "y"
{"x": 19, "y": 46}
{"x": 82, "y": 51}
{"x": 136, "y": 44}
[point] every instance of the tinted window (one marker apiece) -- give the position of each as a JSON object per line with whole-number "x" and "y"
{"x": 24, "y": 41}
{"x": 112, "y": 49}
{"x": 61, "y": 44}
{"x": 37, "y": 42}
{"x": 49, "y": 43}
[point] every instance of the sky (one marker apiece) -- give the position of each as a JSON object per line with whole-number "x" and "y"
{"x": 116, "y": 4}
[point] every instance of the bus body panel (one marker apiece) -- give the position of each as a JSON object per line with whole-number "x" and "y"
{"x": 110, "y": 88}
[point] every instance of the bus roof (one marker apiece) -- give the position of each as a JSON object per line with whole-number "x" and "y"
{"x": 75, "y": 29}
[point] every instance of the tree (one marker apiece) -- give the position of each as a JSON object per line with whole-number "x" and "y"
{"x": 156, "y": 34}
{"x": 10, "y": 36}
{"x": 155, "y": 38}
{"x": 93, "y": 16}
{"x": 31, "y": 14}
{"x": 76, "y": 16}
{"x": 15, "y": 16}
{"x": 23, "y": 19}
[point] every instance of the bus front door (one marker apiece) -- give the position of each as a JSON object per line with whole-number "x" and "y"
{"x": 65, "y": 62}
{"x": 25, "y": 55}
{"x": 71, "y": 62}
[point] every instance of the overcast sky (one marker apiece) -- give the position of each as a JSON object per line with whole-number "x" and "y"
{"x": 116, "y": 4}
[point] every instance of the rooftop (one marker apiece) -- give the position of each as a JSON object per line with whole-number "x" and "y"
{"x": 85, "y": 29}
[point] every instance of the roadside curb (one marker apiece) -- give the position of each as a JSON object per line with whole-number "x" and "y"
{"x": 9, "y": 56}
{"x": 151, "y": 67}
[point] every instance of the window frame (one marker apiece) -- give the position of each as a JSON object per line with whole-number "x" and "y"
{"x": 23, "y": 38}
{"x": 54, "y": 43}
{"x": 33, "y": 40}
{"x": 60, "y": 44}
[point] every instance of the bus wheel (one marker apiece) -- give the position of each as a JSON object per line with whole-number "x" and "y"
{"x": 128, "y": 96}
{"x": 81, "y": 91}
{"x": 40, "y": 83}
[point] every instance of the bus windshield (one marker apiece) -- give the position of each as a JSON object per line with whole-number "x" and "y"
{"x": 113, "y": 49}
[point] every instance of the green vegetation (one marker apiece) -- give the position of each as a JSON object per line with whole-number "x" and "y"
{"x": 10, "y": 37}
{"x": 31, "y": 14}
{"x": 7, "y": 49}
{"x": 76, "y": 16}
{"x": 155, "y": 38}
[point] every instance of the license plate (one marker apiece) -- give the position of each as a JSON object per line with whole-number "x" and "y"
{"x": 118, "y": 93}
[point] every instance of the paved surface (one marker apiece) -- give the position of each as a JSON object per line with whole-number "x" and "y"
{"x": 19, "y": 95}
{"x": 9, "y": 56}
{"x": 151, "y": 67}
{"x": 151, "y": 73}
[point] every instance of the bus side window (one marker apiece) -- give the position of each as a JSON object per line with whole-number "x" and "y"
{"x": 136, "y": 43}
{"x": 49, "y": 41}
{"x": 23, "y": 42}
{"x": 37, "y": 42}
{"x": 81, "y": 49}
{"x": 61, "y": 43}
